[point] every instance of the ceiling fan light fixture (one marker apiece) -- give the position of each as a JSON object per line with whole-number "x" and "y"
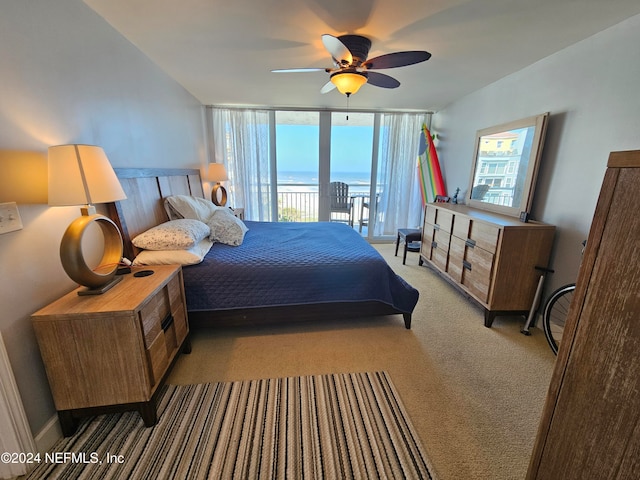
{"x": 348, "y": 83}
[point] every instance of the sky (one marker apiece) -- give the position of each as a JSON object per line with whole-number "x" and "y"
{"x": 297, "y": 148}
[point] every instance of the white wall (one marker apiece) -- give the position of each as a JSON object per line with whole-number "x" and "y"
{"x": 592, "y": 90}
{"x": 68, "y": 77}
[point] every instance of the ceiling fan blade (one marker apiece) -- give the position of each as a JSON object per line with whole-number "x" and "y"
{"x": 382, "y": 80}
{"x": 298, "y": 70}
{"x": 358, "y": 46}
{"x": 337, "y": 49}
{"x": 397, "y": 59}
{"x": 327, "y": 87}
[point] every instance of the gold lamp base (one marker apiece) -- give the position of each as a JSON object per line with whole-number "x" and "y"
{"x": 223, "y": 195}
{"x": 103, "y": 277}
{"x": 102, "y": 289}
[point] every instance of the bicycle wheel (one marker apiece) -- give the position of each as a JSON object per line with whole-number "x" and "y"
{"x": 555, "y": 315}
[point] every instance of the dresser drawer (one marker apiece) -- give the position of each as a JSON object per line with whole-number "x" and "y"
{"x": 440, "y": 258}
{"x": 428, "y": 237}
{"x": 181, "y": 329}
{"x": 173, "y": 330}
{"x": 152, "y": 315}
{"x": 441, "y": 219}
{"x": 158, "y": 357}
{"x": 440, "y": 249}
{"x": 430, "y": 214}
{"x": 177, "y": 310}
{"x": 476, "y": 233}
{"x": 477, "y": 270}
{"x": 460, "y": 227}
{"x": 426, "y": 247}
{"x": 435, "y": 245}
{"x": 456, "y": 258}
{"x": 472, "y": 267}
{"x": 436, "y": 238}
{"x": 164, "y": 325}
{"x": 175, "y": 292}
{"x": 484, "y": 235}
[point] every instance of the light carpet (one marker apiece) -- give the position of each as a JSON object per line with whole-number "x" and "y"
{"x": 474, "y": 394}
{"x": 313, "y": 427}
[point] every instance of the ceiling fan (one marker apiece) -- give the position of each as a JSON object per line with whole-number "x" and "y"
{"x": 351, "y": 67}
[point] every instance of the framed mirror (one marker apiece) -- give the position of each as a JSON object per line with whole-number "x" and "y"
{"x": 505, "y": 166}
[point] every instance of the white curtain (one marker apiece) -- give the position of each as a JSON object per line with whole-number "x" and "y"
{"x": 16, "y": 435}
{"x": 240, "y": 140}
{"x": 400, "y": 204}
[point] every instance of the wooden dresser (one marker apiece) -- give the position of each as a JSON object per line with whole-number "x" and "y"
{"x": 590, "y": 426}
{"x": 111, "y": 351}
{"x": 490, "y": 257}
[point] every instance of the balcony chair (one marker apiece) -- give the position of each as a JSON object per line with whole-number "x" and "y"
{"x": 364, "y": 219}
{"x": 341, "y": 202}
{"x": 479, "y": 191}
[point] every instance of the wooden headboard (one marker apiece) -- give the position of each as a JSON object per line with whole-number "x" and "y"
{"x": 146, "y": 189}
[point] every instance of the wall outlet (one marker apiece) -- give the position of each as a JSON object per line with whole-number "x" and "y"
{"x": 9, "y": 217}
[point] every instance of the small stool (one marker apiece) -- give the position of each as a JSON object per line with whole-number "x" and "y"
{"x": 411, "y": 238}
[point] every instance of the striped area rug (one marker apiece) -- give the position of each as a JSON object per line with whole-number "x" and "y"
{"x": 336, "y": 426}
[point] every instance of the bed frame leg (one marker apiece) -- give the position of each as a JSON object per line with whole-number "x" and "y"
{"x": 407, "y": 320}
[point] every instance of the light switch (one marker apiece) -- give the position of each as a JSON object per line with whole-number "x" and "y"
{"x": 9, "y": 217}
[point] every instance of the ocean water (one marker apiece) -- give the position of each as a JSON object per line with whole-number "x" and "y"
{"x": 298, "y": 194}
{"x": 308, "y": 181}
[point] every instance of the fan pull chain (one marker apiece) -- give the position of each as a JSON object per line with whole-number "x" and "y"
{"x": 348, "y": 95}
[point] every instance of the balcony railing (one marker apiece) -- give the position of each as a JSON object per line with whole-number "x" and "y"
{"x": 297, "y": 206}
{"x": 299, "y": 203}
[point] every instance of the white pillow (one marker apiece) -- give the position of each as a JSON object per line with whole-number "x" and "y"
{"x": 172, "y": 235}
{"x": 185, "y": 206}
{"x": 226, "y": 228}
{"x": 190, "y": 256}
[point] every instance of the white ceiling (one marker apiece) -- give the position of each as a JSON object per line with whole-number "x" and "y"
{"x": 223, "y": 51}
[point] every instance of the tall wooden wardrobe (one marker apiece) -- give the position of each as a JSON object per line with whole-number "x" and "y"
{"x": 590, "y": 426}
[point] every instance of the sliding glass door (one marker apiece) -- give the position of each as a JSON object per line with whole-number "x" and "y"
{"x": 351, "y": 157}
{"x": 373, "y": 156}
{"x": 297, "y": 165}
{"x": 314, "y": 150}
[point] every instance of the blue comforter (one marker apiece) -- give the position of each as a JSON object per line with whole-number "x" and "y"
{"x": 294, "y": 264}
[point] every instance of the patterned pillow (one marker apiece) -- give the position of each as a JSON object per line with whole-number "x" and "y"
{"x": 173, "y": 235}
{"x": 189, "y": 256}
{"x": 226, "y": 227}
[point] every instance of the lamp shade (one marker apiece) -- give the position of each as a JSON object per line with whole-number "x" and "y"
{"x": 348, "y": 83}
{"x": 217, "y": 173}
{"x": 81, "y": 175}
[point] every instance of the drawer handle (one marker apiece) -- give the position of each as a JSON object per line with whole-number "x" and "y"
{"x": 166, "y": 323}
{"x": 436, "y": 226}
{"x": 434, "y": 244}
{"x": 470, "y": 243}
{"x": 466, "y": 265}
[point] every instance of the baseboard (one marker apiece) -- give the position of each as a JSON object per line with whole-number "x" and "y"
{"x": 49, "y": 435}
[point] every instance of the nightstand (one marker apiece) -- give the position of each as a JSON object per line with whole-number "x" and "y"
{"x": 111, "y": 352}
{"x": 238, "y": 212}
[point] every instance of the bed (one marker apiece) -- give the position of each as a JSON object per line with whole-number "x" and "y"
{"x": 281, "y": 271}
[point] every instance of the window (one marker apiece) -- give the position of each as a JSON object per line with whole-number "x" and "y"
{"x": 297, "y": 164}
{"x": 294, "y": 155}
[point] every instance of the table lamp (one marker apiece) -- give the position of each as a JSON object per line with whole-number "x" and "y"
{"x": 82, "y": 175}
{"x": 217, "y": 173}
